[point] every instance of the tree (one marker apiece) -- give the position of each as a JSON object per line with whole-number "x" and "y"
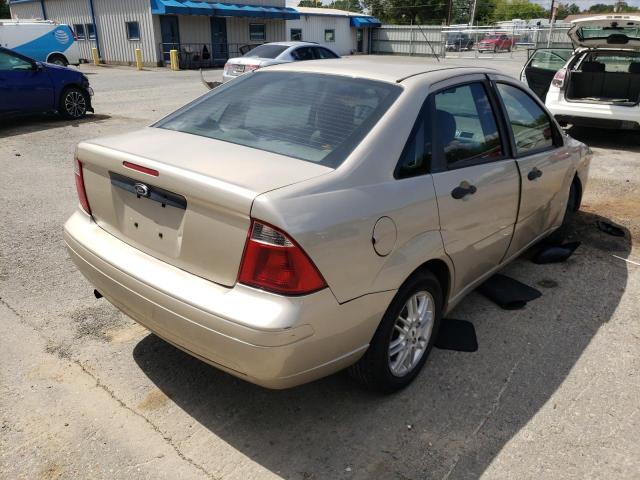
{"x": 348, "y": 5}
{"x": 565, "y": 10}
{"x": 310, "y": 3}
{"x": 510, "y": 9}
{"x": 600, "y": 8}
{"x": 4, "y": 9}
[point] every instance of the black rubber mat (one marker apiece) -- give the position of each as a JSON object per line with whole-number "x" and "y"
{"x": 508, "y": 293}
{"x": 457, "y": 335}
{"x": 555, "y": 253}
{"x": 610, "y": 228}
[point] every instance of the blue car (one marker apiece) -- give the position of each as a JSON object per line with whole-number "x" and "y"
{"x": 27, "y": 86}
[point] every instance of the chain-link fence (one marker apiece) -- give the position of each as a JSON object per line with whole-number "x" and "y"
{"x": 466, "y": 42}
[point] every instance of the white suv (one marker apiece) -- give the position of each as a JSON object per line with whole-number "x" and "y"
{"x": 598, "y": 83}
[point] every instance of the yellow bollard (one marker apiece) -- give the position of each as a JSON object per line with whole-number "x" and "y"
{"x": 175, "y": 64}
{"x": 96, "y": 58}
{"x": 138, "y": 59}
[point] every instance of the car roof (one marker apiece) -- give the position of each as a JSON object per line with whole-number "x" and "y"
{"x": 291, "y": 44}
{"x": 379, "y": 69}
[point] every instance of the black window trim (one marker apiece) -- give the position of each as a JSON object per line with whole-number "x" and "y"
{"x": 439, "y": 163}
{"x": 425, "y": 110}
{"x": 555, "y": 129}
{"x": 81, "y": 37}
{"x": 291, "y": 34}
{"x": 129, "y": 37}
{"x": 264, "y": 31}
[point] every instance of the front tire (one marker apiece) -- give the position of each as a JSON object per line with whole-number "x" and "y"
{"x": 74, "y": 103}
{"x": 404, "y": 338}
{"x": 58, "y": 60}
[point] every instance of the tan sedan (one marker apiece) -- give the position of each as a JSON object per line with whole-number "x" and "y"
{"x": 306, "y": 218}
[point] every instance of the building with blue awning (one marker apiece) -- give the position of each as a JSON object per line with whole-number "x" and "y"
{"x": 344, "y": 32}
{"x": 205, "y": 33}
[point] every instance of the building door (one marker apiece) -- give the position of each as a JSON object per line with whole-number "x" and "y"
{"x": 170, "y": 35}
{"x": 360, "y": 40}
{"x": 219, "y": 40}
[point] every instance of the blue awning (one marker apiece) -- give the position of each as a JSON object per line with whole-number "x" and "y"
{"x": 360, "y": 22}
{"x": 193, "y": 7}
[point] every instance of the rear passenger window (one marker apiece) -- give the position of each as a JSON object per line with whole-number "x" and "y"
{"x": 303, "y": 53}
{"x": 530, "y": 124}
{"x": 466, "y": 125}
{"x": 416, "y": 156}
{"x": 324, "y": 53}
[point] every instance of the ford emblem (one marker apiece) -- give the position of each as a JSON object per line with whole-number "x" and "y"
{"x": 141, "y": 189}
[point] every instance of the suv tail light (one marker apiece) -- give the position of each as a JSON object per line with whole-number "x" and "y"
{"x": 82, "y": 193}
{"x": 274, "y": 262}
{"x": 558, "y": 78}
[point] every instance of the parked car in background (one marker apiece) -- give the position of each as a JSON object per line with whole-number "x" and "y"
{"x": 28, "y": 86}
{"x": 458, "y": 41}
{"x": 313, "y": 216}
{"x": 274, "y": 53}
{"x": 496, "y": 43}
{"x": 599, "y": 84}
{"x": 42, "y": 40}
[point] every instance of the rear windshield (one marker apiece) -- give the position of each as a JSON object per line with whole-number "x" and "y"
{"x": 313, "y": 117}
{"x": 266, "y": 51}
{"x": 614, "y": 34}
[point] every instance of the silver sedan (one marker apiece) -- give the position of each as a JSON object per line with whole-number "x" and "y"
{"x": 273, "y": 54}
{"x": 314, "y": 216}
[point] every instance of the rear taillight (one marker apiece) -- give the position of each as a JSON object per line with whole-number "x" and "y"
{"x": 274, "y": 262}
{"x": 82, "y": 193}
{"x": 227, "y": 68}
{"x": 248, "y": 68}
{"x": 558, "y": 78}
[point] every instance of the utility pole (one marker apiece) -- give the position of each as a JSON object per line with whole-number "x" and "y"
{"x": 450, "y": 7}
{"x": 473, "y": 13}
{"x": 554, "y": 11}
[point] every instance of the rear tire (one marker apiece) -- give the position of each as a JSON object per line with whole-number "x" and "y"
{"x": 74, "y": 103}
{"x": 404, "y": 338}
{"x": 58, "y": 60}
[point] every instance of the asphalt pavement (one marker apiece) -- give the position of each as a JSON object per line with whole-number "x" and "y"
{"x": 552, "y": 392}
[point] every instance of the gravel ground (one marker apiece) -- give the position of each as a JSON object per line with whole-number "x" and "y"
{"x": 552, "y": 391}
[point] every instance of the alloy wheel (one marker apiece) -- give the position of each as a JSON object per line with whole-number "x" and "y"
{"x": 411, "y": 333}
{"x": 75, "y": 104}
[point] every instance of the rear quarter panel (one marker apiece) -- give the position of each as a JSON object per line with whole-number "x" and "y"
{"x": 332, "y": 217}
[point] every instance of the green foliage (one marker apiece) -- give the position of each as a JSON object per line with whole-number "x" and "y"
{"x": 524, "y": 9}
{"x": 4, "y": 9}
{"x": 564, "y": 10}
{"x": 348, "y": 5}
{"x": 602, "y": 8}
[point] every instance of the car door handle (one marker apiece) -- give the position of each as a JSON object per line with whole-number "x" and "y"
{"x": 463, "y": 190}
{"x": 535, "y": 173}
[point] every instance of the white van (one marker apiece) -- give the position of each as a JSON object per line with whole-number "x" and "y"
{"x": 42, "y": 40}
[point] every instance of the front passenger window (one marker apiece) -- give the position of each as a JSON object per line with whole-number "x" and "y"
{"x": 466, "y": 125}
{"x": 530, "y": 124}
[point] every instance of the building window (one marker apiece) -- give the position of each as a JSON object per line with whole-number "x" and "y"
{"x": 257, "y": 32}
{"x": 133, "y": 31}
{"x": 79, "y": 29}
{"x": 330, "y": 35}
{"x": 296, "y": 34}
{"x": 91, "y": 31}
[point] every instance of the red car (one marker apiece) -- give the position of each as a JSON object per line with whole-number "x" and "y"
{"x": 496, "y": 43}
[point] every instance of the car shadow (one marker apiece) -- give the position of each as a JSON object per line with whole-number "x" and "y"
{"x": 453, "y": 420}
{"x": 604, "y": 138}
{"x": 14, "y": 126}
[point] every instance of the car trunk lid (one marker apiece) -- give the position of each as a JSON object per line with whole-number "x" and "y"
{"x": 195, "y": 212}
{"x": 606, "y": 31}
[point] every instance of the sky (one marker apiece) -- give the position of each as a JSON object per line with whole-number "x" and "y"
{"x": 583, "y": 4}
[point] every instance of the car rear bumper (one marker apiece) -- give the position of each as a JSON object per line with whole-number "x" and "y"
{"x": 271, "y": 340}
{"x": 592, "y": 114}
